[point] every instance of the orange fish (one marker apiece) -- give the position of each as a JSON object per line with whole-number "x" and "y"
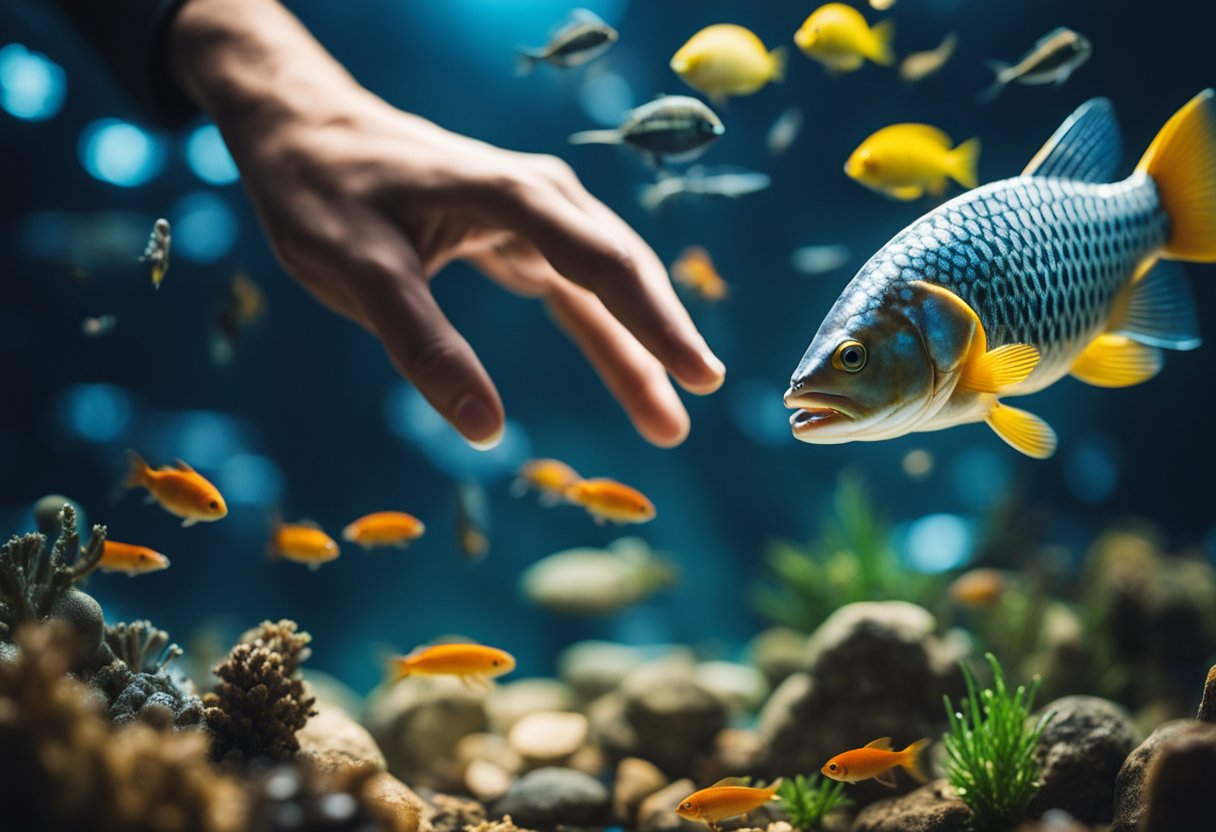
{"x": 725, "y": 799}
{"x": 979, "y": 588}
{"x": 695, "y": 271}
{"x": 607, "y": 499}
{"x": 471, "y": 663}
{"x": 384, "y": 528}
{"x": 303, "y": 542}
{"x": 179, "y": 489}
{"x": 876, "y": 761}
{"x": 549, "y": 477}
{"x": 131, "y": 559}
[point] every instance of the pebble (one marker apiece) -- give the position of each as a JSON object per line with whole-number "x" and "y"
{"x": 548, "y": 736}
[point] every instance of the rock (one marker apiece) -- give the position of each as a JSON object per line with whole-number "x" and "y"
{"x": 777, "y": 652}
{"x": 548, "y": 737}
{"x": 511, "y": 702}
{"x": 636, "y": 779}
{"x": 326, "y": 688}
{"x": 454, "y": 814}
{"x": 504, "y": 825}
{"x": 734, "y": 750}
{"x": 1131, "y": 793}
{"x": 673, "y": 718}
{"x": 587, "y": 581}
{"x": 593, "y": 668}
{"x": 610, "y": 729}
{"x": 739, "y": 687}
{"x": 331, "y": 740}
{"x": 487, "y": 781}
{"x": 589, "y": 760}
{"x": 409, "y": 811}
{"x": 418, "y": 722}
{"x": 547, "y": 797}
{"x": 46, "y": 516}
{"x": 1057, "y": 820}
{"x": 489, "y": 748}
{"x": 931, "y": 808}
{"x": 658, "y": 812}
{"x": 1179, "y": 781}
{"x": 878, "y": 665}
{"x": 1080, "y": 752}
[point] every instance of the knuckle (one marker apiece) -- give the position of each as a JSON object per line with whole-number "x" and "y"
{"x": 612, "y": 263}
{"x": 432, "y": 358}
{"x": 557, "y": 169}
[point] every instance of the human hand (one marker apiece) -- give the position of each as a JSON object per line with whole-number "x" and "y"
{"x": 364, "y": 203}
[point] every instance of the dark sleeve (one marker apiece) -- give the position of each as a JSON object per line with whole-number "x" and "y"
{"x": 132, "y": 38}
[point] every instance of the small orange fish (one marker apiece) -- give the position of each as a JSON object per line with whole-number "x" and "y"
{"x": 695, "y": 271}
{"x": 549, "y": 477}
{"x": 607, "y": 499}
{"x": 179, "y": 489}
{"x": 725, "y": 799}
{"x": 471, "y": 663}
{"x": 304, "y": 543}
{"x": 131, "y": 559}
{"x": 876, "y": 761}
{"x": 384, "y": 528}
{"x": 979, "y": 588}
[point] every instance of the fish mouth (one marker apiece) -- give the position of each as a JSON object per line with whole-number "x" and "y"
{"x": 813, "y": 411}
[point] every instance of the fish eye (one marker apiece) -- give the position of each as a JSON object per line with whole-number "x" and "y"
{"x": 849, "y": 356}
{"x": 833, "y": 767}
{"x": 214, "y": 505}
{"x": 687, "y": 805}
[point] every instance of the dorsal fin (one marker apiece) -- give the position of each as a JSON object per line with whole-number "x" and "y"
{"x": 731, "y": 781}
{"x": 882, "y": 744}
{"x": 1086, "y": 148}
{"x": 308, "y": 523}
{"x": 182, "y": 465}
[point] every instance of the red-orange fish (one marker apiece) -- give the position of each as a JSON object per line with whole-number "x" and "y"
{"x": 979, "y": 588}
{"x": 695, "y": 272}
{"x": 549, "y": 477}
{"x": 876, "y": 761}
{"x": 179, "y": 489}
{"x": 725, "y": 799}
{"x": 304, "y": 543}
{"x": 607, "y": 499}
{"x": 131, "y": 559}
{"x": 384, "y": 528}
{"x": 471, "y": 663}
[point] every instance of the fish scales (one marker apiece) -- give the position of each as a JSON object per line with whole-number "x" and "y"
{"x": 1039, "y": 260}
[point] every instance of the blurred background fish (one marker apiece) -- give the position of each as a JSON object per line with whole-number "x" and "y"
{"x": 784, "y": 131}
{"x": 583, "y": 37}
{"x": 241, "y": 304}
{"x": 703, "y": 180}
{"x": 918, "y": 66}
{"x": 472, "y": 521}
{"x": 694, "y": 272}
{"x": 1052, "y": 60}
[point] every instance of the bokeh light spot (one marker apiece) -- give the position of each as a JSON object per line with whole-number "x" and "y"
{"x": 120, "y": 153}
{"x": 93, "y": 412}
{"x": 1091, "y": 469}
{"x": 203, "y": 438}
{"x": 250, "y": 479}
{"x": 209, "y": 158}
{"x": 204, "y": 227}
{"x": 32, "y": 86}
{"x": 937, "y": 543}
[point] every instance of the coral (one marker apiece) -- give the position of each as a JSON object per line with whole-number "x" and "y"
{"x": 139, "y": 678}
{"x": 806, "y": 801}
{"x": 990, "y": 749}
{"x": 261, "y": 701}
{"x": 853, "y": 561}
{"x": 142, "y": 647}
{"x": 64, "y": 767}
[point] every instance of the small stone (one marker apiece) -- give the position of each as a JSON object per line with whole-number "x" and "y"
{"x": 1179, "y": 782}
{"x": 548, "y": 736}
{"x": 504, "y": 825}
{"x": 332, "y": 741}
{"x": 454, "y": 814}
{"x": 734, "y": 750}
{"x": 1081, "y": 751}
{"x": 777, "y": 652}
{"x": 1131, "y": 793}
{"x": 593, "y": 668}
{"x": 388, "y": 794}
{"x": 510, "y": 702}
{"x": 486, "y": 781}
{"x": 931, "y": 808}
{"x": 590, "y": 760}
{"x": 548, "y": 797}
{"x": 636, "y": 779}
{"x": 489, "y": 748}
{"x": 658, "y": 812}
{"x": 739, "y": 687}
{"x": 674, "y": 718}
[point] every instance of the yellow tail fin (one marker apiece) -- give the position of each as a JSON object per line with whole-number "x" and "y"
{"x": 1182, "y": 161}
{"x": 881, "y": 52}
{"x": 911, "y": 760}
{"x": 964, "y": 161}
{"x": 778, "y": 57}
{"x": 396, "y": 669}
{"x": 775, "y": 786}
{"x": 135, "y": 473}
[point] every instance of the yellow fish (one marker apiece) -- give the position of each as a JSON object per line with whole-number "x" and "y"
{"x": 838, "y": 37}
{"x": 131, "y": 559}
{"x": 905, "y": 160}
{"x": 876, "y": 761}
{"x": 979, "y": 588}
{"x": 695, "y": 271}
{"x": 607, "y": 499}
{"x": 179, "y": 489}
{"x": 471, "y": 663}
{"x": 302, "y": 542}
{"x": 726, "y": 59}
{"x": 384, "y": 528}
{"x": 549, "y": 477}
{"x": 725, "y": 799}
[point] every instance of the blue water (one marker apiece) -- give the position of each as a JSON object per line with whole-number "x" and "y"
{"x": 311, "y": 419}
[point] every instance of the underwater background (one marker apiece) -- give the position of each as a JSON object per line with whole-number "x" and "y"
{"x": 310, "y": 419}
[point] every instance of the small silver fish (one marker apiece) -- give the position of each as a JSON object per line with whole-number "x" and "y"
{"x": 702, "y": 180}
{"x": 784, "y": 131}
{"x": 674, "y": 127}
{"x": 920, "y": 65}
{"x": 820, "y": 259}
{"x": 156, "y": 252}
{"x": 582, "y": 38}
{"x": 1052, "y": 59}
{"x": 96, "y": 327}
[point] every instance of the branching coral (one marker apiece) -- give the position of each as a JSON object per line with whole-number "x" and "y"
{"x": 260, "y": 701}
{"x": 139, "y": 678}
{"x": 142, "y": 647}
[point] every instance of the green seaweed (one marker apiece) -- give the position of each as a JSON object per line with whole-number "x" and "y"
{"x": 852, "y": 561}
{"x": 990, "y": 749}
{"x": 806, "y": 801}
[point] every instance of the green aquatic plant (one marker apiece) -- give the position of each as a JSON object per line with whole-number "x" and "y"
{"x": 852, "y": 561}
{"x": 990, "y": 749}
{"x": 806, "y": 801}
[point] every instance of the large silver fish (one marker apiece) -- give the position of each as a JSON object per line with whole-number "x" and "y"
{"x": 1009, "y": 287}
{"x": 674, "y": 127}
{"x": 1052, "y": 59}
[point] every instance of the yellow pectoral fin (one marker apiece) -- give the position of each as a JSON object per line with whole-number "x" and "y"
{"x": 1023, "y": 431}
{"x": 1116, "y": 361}
{"x": 905, "y": 193}
{"x": 999, "y": 369}
{"x": 937, "y": 187}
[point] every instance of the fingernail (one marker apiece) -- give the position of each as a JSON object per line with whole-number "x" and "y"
{"x": 713, "y": 362}
{"x": 478, "y": 423}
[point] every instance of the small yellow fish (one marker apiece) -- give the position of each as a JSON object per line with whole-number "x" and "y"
{"x": 384, "y": 528}
{"x": 726, "y": 59}
{"x": 920, "y": 65}
{"x": 607, "y": 499}
{"x": 156, "y": 252}
{"x": 131, "y": 559}
{"x": 979, "y": 588}
{"x": 304, "y": 543}
{"x": 881, "y": 5}
{"x": 179, "y": 489}
{"x": 549, "y": 477}
{"x": 471, "y": 663}
{"x": 725, "y": 799}
{"x": 838, "y": 37}
{"x": 905, "y": 160}
{"x": 694, "y": 271}
{"x": 876, "y": 761}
